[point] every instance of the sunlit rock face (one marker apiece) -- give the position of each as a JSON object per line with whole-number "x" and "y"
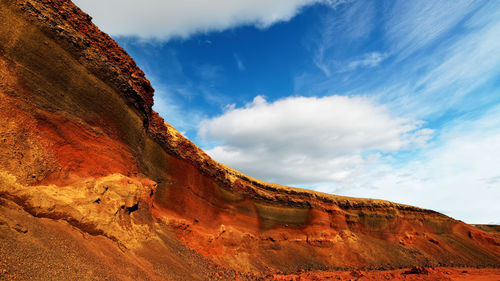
{"x": 96, "y": 185}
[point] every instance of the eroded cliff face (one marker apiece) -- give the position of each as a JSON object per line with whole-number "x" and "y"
{"x": 81, "y": 148}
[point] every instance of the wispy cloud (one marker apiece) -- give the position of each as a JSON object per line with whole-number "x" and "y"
{"x": 435, "y": 55}
{"x": 453, "y": 72}
{"x": 412, "y": 25}
{"x": 239, "y": 62}
{"x": 354, "y": 23}
{"x": 368, "y": 60}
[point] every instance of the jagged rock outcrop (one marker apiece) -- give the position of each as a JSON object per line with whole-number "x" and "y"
{"x": 82, "y": 151}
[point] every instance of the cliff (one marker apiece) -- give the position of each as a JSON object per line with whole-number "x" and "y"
{"x": 94, "y": 184}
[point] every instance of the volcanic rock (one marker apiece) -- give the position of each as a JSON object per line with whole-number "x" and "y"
{"x": 417, "y": 270}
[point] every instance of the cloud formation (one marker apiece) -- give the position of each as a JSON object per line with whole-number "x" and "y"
{"x": 412, "y": 25}
{"x": 431, "y": 59}
{"x": 455, "y": 69}
{"x": 166, "y": 19}
{"x": 459, "y": 176}
{"x": 354, "y": 24}
{"x": 309, "y": 140}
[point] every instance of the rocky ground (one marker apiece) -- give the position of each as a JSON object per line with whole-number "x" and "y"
{"x": 416, "y": 273}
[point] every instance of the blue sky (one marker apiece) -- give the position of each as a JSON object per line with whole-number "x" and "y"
{"x": 398, "y": 100}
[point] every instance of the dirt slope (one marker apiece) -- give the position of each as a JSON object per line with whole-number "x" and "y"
{"x": 90, "y": 175}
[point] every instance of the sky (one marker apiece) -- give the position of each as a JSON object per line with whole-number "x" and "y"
{"x": 396, "y": 100}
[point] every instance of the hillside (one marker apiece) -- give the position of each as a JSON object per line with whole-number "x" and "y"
{"x": 95, "y": 185}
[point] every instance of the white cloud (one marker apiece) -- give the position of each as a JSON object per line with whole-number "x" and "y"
{"x": 169, "y": 18}
{"x": 301, "y": 140}
{"x": 459, "y": 177}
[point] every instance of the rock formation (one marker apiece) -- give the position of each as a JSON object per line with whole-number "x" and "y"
{"x": 95, "y": 185}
